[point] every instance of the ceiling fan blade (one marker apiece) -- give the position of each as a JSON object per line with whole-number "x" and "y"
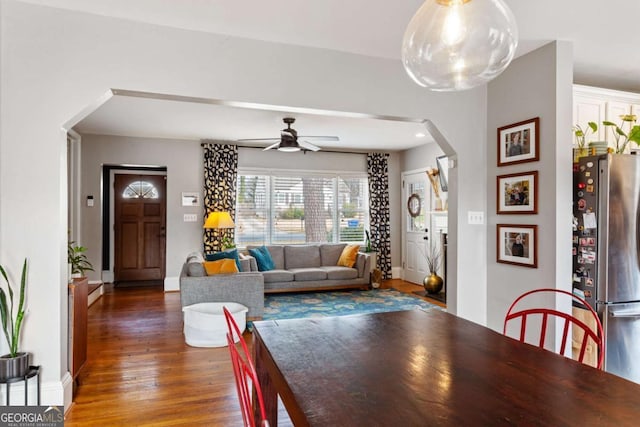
{"x": 308, "y": 146}
{"x": 272, "y": 146}
{"x": 320, "y": 138}
{"x": 258, "y": 139}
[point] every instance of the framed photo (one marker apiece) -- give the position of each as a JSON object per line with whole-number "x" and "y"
{"x": 517, "y": 244}
{"x": 519, "y": 142}
{"x": 517, "y": 193}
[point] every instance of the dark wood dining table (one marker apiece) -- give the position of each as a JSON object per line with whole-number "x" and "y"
{"x": 424, "y": 368}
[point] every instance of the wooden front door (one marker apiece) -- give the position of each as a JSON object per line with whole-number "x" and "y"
{"x": 140, "y": 221}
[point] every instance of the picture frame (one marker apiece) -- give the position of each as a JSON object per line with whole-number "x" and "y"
{"x": 517, "y": 193}
{"x": 519, "y": 142}
{"x": 517, "y": 244}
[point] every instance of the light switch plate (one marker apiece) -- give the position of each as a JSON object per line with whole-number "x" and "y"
{"x": 190, "y": 217}
{"x": 475, "y": 217}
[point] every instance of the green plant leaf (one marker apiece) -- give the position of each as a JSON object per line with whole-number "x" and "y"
{"x": 634, "y": 134}
{"x": 593, "y": 126}
{"x": 608, "y": 123}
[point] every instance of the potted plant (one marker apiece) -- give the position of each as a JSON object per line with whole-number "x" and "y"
{"x": 581, "y": 139}
{"x": 621, "y": 137}
{"x": 78, "y": 260}
{"x": 14, "y": 364}
{"x": 433, "y": 283}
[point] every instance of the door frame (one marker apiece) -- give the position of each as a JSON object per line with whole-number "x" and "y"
{"x": 108, "y": 212}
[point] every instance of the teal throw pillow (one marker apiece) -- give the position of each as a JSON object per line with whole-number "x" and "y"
{"x": 230, "y": 254}
{"x": 263, "y": 258}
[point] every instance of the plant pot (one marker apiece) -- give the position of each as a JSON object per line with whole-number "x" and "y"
{"x": 433, "y": 283}
{"x": 580, "y": 152}
{"x": 14, "y": 367}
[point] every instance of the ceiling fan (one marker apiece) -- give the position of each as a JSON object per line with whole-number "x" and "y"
{"x": 289, "y": 141}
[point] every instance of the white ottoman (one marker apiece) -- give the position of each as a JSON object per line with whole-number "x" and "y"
{"x": 205, "y": 325}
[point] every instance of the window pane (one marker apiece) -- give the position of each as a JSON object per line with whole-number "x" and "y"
{"x": 301, "y": 209}
{"x": 252, "y": 210}
{"x": 352, "y": 208}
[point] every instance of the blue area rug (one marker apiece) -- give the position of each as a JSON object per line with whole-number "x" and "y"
{"x": 340, "y": 303}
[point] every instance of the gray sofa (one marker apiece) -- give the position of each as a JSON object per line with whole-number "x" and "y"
{"x": 297, "y": 268}
{"x": 313, "y": 267}
{"x": 246, "y": 288}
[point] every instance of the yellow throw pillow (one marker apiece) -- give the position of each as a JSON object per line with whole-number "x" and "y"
{"x": 349, "y": 255}
{"x": 225, "y": 265}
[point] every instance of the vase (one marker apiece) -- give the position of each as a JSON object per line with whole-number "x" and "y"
{"x": 14, "y": 367}
{"x": 433, "y": 283}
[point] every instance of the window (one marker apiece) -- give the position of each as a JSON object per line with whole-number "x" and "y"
{"x": 279, "y": 208}
{"x": 140, "y": 190}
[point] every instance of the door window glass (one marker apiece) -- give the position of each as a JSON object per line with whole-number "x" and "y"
{"x": 140, "y": 190}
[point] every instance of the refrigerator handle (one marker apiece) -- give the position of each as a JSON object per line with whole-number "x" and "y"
{"x": 624, "y": 313}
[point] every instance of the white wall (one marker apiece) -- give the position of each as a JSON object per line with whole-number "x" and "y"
{"x": 53, "y": 63}
{"x": 536, "y": 85}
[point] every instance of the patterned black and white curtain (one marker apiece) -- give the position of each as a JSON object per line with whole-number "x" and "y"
{"x": 379, "y": 218}
{"x": 220, "y": 177}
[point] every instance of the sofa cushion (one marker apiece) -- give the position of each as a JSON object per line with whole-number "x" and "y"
{"x": 229, "y": 254}
{"x": 263, "y": 258}
{"x": 302, "y": 274}
{"x": 195, "y": 257}
{"x": 196, "y": 269}
{"x": 303, "y": 256}
{"x": 225, "y": 265}
{"x": 348, "y": 256}
{"x": 277, "y": 276}
{"x": 277, "y": 255}
{"x": 360, "y": 264}
{"x": 330, "y": 253}
{"x": 340, "y": 273}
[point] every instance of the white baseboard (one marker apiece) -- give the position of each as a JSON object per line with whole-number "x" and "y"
{"x": 67, "y": 390}
{"x": 396, "y": 272}
{"x": 171, "y": 284}
{"x": 52, "y": 393}
{"x": 95, "y": 295}
{"x": 107, "y": 276}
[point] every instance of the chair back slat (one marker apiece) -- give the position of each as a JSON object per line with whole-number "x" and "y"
{"x": 588, "y": 334}
{"x": 245, "y": 374}
{"x": 565, "y": 334}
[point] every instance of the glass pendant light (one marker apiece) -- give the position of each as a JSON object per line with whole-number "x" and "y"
{"x": 459, "y": 44}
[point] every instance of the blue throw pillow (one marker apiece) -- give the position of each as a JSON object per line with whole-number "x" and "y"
{"x": 263, "y": 258}
{"x": 230, "y": 254}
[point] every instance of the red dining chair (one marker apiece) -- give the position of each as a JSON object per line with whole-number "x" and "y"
{"x": 244, "y": 373}
{"x": 533, "y": 315}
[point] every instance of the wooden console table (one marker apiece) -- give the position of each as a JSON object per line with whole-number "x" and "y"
{"x": 78, "y": 301}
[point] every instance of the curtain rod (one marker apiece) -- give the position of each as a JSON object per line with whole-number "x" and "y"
{"x": 202, "y": 144}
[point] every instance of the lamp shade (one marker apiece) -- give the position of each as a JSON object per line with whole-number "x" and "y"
{"x": 219, "y": 220}
{"x": 459, "y": 44}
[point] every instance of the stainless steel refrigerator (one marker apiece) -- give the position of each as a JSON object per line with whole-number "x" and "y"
{"x": 606, "y": 246}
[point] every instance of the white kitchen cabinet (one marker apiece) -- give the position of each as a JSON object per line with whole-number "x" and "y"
{"x": 592, "y": 104}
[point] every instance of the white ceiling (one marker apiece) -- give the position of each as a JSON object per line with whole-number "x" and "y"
{"x": 604, "y": 34}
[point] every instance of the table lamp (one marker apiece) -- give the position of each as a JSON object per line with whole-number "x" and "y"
{"x": 219, "y": 220}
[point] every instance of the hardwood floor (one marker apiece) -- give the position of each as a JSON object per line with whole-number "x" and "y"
{"x": 140, "y": 371}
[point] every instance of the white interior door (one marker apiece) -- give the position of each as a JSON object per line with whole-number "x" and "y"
{"x": 416, "y": 195}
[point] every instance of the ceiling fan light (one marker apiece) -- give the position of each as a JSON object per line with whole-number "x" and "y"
{"x": 289, "y": 149}
{"x": 454, "y": 45}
